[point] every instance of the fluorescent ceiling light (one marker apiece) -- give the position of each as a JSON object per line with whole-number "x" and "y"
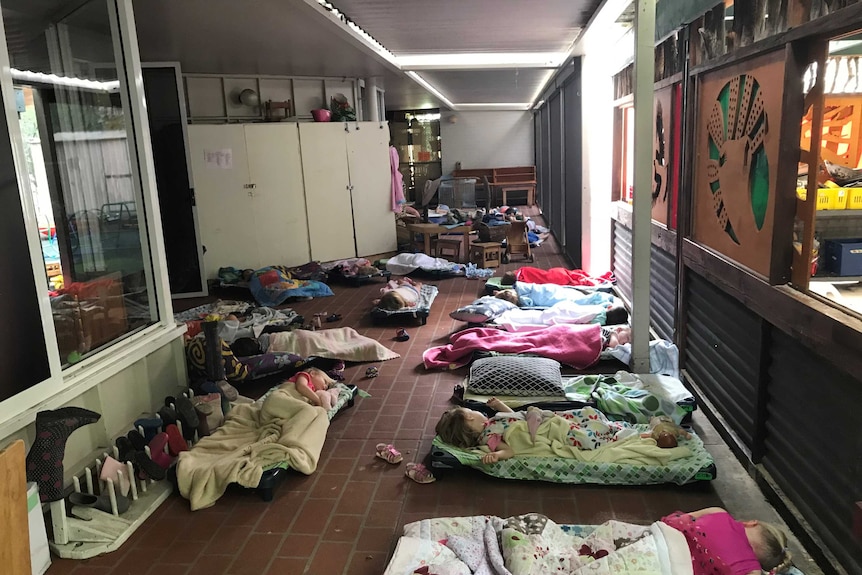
{"x": 40, "y": 78}
{"x": 481, "y": 60}
{"x": 507, "y": 105}
{"x": 421, "y": 81}
{"x": 542, "y": 85}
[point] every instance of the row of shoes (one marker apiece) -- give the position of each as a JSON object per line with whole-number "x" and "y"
{"x": 150, "y": 458}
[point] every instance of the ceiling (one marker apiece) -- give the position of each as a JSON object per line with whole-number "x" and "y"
{"x": 466, "y": 53}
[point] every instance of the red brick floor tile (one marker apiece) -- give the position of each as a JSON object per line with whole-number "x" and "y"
{"x": 356, "y": 497}
{"x": 210, "y": 565}
{"x": 330, "y": 557}
{"x": 367, "y": 564}
{"x": 343, "y": 528}
{"x": 255, "y": 556}
{"x": 296, "y": 545}
{"x": 314, "y": 516}
{"x": 285, "y": 565}
{"x": 183, "y": 552}
{"x": 375, "y": 539}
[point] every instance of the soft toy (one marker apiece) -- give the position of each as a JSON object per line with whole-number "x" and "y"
{"x": 665, "y": 431}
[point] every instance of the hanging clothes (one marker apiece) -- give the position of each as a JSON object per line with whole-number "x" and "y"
{"x": 397, "y": 180}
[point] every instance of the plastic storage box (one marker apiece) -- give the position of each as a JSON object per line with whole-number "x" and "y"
{"x": 844, "y": 257}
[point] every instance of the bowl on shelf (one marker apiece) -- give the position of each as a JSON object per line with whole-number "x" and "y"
{"x": 321, "y": 115}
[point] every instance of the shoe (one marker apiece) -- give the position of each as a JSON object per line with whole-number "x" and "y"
{"x": 147, "y": 468}
{"x": 125, "y": 448}
{"x": 223, "y": 387}
{"x": 176, "y": 442}
{"x": 137, "y": 440}
{"x": 187, "y": 416}
{"x": 419, "y": 473}
{"x": 157, "y": 450}
{"x": 150, "y": 425}
{"x": 388, "y": 453}
{"x": 402, "y": 335}
{"x": 333, "y": 317}
{"x": 110, "y": 469}
{"x": 100, "y": 502}
{"x": 372, "y": 372}
{"x": 168, "y": 416}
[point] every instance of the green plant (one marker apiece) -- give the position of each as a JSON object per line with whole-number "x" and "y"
{"x": 342, "y": 111}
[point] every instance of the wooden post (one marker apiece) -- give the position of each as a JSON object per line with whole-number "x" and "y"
{"x": 15, "y": 543}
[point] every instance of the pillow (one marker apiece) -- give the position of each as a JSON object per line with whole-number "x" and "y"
{"x": 482, "y": 310}
{"x": 515, "y": 375}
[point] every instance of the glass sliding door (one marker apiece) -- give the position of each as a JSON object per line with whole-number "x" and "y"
{"x": 81, "y": 161}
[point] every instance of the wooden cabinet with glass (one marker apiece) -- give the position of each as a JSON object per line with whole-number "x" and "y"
{"x": 416, "y": 136}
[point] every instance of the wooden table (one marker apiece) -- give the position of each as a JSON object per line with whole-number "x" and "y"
{"x": 428, "y": 230}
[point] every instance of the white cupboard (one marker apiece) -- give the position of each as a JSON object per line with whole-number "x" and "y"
{"x": 250, "y": 196}
{"x": 288, "y": 193}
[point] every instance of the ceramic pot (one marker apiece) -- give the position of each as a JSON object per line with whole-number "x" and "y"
{"x": 321, "y": 115}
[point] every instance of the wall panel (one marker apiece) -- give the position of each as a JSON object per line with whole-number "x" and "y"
{"x": 622, "y": 259}
{"x": 662, "y": 297}
{"x": 812, "y": 443}
{"x": 723, "y": 341}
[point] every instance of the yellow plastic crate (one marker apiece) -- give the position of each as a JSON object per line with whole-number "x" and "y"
{"x": 854, "y": 198}
{"x": 827, "y": 198}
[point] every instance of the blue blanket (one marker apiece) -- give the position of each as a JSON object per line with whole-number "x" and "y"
{"x": 272, "y": 286}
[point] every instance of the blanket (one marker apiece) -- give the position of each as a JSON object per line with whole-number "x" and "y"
{"x": 578, "y": 346}
{"x": 283, "y": 428}
{"x": 520, "y": 319}
{"x": 403, "y": 264}
{"x": 533, "y": 544}
{"x": 553, "y": 440}
{"x": 546, "y": 295}
{"x": 561, "y": 276}
{"x": 343, "y": 343}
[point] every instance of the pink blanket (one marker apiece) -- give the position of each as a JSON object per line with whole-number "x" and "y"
{"x": 578, "y": 346}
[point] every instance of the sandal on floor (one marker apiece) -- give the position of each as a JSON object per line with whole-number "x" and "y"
{"x": 419, "y": 473}
{"x": 388, "y": 453}
{"x": 402, "y": 335}
{"x": 334, "y": 317}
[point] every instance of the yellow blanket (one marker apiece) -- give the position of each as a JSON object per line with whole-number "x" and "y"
{"x": 343, "y": 343}
{"x": 551, "y": 441}
{"x": 283, "y": 428}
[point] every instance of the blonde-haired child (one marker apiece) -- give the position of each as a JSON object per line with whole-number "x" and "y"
{"x": 317, "y": 387}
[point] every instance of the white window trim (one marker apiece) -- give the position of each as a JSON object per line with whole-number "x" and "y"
{"x": 63, "y": 386}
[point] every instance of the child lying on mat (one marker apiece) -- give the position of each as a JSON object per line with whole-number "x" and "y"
{"x": 318, "y": 388}
{"x": 720, "y": 544}
{"x": 398, "y": 294}
{"x": 584, "y": 428}
{"x": 602, "y": 312}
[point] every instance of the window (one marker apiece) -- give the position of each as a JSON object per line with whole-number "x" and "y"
{"x": 828, "y": 251}
{"x": 80, "y": 158}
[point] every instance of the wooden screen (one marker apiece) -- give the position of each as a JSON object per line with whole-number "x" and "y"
{"x": 662, "y": 153}
{"x": 736, "y": 166}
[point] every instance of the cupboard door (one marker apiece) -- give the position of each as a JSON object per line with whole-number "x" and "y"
{"x": 371, "y": 182}
{"x": 327, "y": 194}
{"x": 220, "y": 170}
{"x": 278, "y": 201}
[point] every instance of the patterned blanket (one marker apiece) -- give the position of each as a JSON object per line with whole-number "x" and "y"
{"x": 533, "y": 544}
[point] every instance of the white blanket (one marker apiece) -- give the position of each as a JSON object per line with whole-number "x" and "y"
{"x": 403, "y": 264}
{"x": 526, "y": 319}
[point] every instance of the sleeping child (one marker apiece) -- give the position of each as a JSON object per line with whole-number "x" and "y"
{"x": 581, "y": 429}
{"x": 399, "y": 294}
{"x": 318, "y": 388}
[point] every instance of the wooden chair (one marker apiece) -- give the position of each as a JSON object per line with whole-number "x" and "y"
{"x": 521, "y": 178}
{"x": 277, "y": 111}
{"x": 446, "y": 246}
{"x": 485, "y": 254}
{"x": 517, "y": 241}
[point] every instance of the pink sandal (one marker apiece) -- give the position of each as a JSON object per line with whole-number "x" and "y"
{"x": 388, "y": 453}
{"x": 419, "y": 473}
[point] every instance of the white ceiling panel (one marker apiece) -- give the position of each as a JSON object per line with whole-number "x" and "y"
{"x": 278, "y": 37}
{"x": 402, "y": 93}
{"x": 439, "y": 26}
{"x": 487, "y": 86}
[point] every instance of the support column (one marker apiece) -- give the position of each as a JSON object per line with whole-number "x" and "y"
{"x": 644, "y": 70}
{"x": 371, "y": 100}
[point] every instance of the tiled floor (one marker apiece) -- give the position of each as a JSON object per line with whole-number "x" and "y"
{"x": 346, "y": 517}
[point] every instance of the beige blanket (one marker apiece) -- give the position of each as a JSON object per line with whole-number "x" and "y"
{"x": 343, "y": 343}
{"x": 254, "y": 436}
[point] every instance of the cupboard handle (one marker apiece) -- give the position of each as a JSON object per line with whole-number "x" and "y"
{"x": 250, "y": 186}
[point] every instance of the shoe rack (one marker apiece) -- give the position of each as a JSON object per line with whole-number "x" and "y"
{"x": 87, "y": 532}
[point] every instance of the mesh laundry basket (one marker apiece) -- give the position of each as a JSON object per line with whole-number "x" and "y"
{"x": 458, "y": 193}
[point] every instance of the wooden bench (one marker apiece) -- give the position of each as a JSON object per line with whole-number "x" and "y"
{"x": 515, "y": 179}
